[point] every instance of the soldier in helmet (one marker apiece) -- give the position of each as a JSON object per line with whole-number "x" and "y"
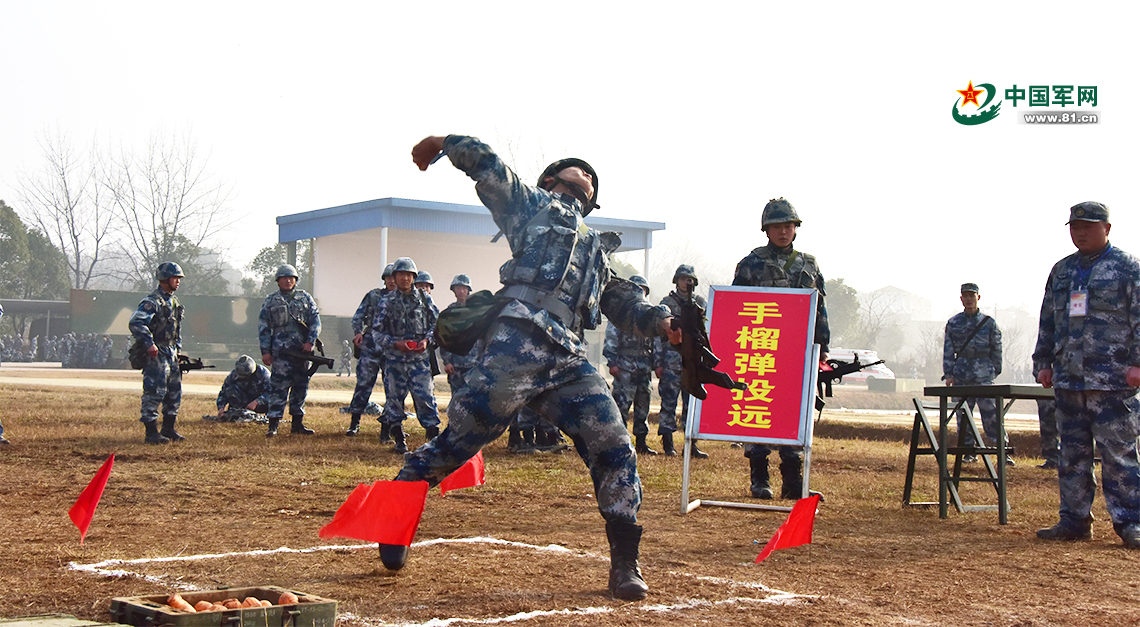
{"x": 289, "y": 320}
{"x": 456, "y": 366}
{"x": 630, "y": 360}
{"x": 667, "y": 364}
{"x": 557, "y": 284}
{"x": 245, "y": 388}
{"x": 371, "y": 361}
{"x": 780, "y": 265}
{"x": 424, "y": 282}
{"x": 971, "y": 355}
{"x": 157, "y": 326}
{"x": 401, "y": 331}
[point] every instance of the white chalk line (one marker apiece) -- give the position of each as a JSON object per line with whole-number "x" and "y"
{"x": 106, "y": 569}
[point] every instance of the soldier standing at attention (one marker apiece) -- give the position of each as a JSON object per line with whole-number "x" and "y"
{"x": 371, "y": 361}
{"x": 533, "y": 354}
{"x": 630, "y": 359}
{"x": 289, "y": 320}
{"x": 667, "y": 362}
{"x": 780, "y": 265}
{"x": 971, "y": 355}
{"x": 401, "y": 330}
{"x": 157, "y": 325}
{"x": 1088, "y": 351}
{"x": 245, "y": 388}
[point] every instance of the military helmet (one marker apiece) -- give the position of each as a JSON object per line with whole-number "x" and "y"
{"x": 778, "y": 211}
{"x": 640, "y": 281}
{"x": 387, "y": 271}
{"x": 404, "y": 264}
{"x": 423, "y": 276}
{"x": 245, "y": 365}
{"x": 287, "y": 270}
{"x": 684, "y": 270}
{"x": 461, "y": 279}
{"x": 588, "y": 204}
{"x": 167, "y": 270}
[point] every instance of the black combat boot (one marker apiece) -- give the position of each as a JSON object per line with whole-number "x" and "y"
{"x": 385, "y": 433}
{"x": 393, "y": 556}
{"x": 432, "y": 433}
{"x": 1068, "y": 530}
{"x": 152, "y": 434}
{"x": 354, "y": 426}
{"x": 273, "y": 424}
{"x": 696, "y": 452}
{"x": 514, "y": 439}
{"x": 641, "y": 447}
{"x": 168, "y": 429}
{"x": 397, "y": 433}
{"x": 667, "y": 445}
{"x": 761, "y": 489}
{"x": 298, "y": 427}
{"x": 792, "y": 480}
{"x": 626, "y": 582}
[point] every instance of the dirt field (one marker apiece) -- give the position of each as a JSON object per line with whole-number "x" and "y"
{"x": 529, "y": 547}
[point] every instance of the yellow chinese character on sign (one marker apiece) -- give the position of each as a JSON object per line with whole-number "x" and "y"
{"x": 758, "y": 390}
{"x": 760, "y": 363}
{"x": 758, "y": 338}
{"x": 759, "y": 311}
{"x": 752, "y": 416}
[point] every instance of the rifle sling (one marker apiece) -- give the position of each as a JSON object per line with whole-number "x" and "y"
{"x": 977, "y": 327}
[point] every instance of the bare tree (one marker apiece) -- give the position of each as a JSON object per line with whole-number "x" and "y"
{"x": 878, "y": 319}
{"x": 65, "y": 202}
{"x": 168, "y": 208}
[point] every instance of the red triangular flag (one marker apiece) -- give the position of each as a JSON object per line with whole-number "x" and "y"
{"x": 468, "y": 475}
{"x": 387, "y": 512}
{"x": 796, "y": 530}
{"x": 84, "y": 509}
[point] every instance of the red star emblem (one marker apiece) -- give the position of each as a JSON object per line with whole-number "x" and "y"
{"x": 969, "y": 94}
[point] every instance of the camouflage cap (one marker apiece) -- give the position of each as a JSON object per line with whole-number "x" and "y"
{"x": 970, "y": 287}
{"x": 1088, "y": 211}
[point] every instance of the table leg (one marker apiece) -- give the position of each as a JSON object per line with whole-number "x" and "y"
{"x": 1003, "y": 507}
{"x": 943, "y": 473}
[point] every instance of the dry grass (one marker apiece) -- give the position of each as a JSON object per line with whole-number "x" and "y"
{"x": 228, "y": 489}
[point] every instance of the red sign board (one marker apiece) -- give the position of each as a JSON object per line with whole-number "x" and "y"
{"x": 764, "y": 338}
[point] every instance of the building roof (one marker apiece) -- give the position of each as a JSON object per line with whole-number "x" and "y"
{"x": 439, "y": 217}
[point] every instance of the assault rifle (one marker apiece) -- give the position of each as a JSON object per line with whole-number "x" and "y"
{"x": 697, "y": 358}
{"x": 836, "y": 372}
{"x": 315, "y": 360}
{"x": 186, "y": 363}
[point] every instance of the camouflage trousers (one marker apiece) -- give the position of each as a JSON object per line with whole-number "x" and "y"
{"x": 402, "y": 378}
{"x": 987, "y": 407}
{"x": 1111, "y": 418}
{"x": 457, "y": 379}
{"x": 521, "y": 366}
{"x": 632, "y": 388}
{"x": 367, "y": 368}
{"x": 289, "y": 382}
{"x": 528, "y": 419}
{"x": 669, "y": 387}
{"x": 1047, "y": 421}
{"x": 162, "y": 385}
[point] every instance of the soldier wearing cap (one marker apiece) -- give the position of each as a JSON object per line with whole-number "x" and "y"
{"x": 157, "y": 326}
{"x": 245, "y": 388}
{"x": 667, "y": 364}
{"x": 370, "y": 362}
{"x": 289, "y": 321}
{"x": 1088, "y": 351}
{"x": 630, "y": 360}
{"x": 971, "y": 355}
{"x": 777, "y": 264}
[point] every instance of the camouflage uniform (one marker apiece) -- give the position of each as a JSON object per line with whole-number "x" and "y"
{"x": 669, "y": 360}
{"x": 288, "y": 320}
{"x": 533, "y": 353}
{"x": 1050, "y": 439}
{"x": 978, "y": 362}
{"x": 158, "y": 322}
{"x": 401, "y": 317}
{"x": 371, "y": 360}
{"x": 632, "y": 354}
{"x": 460, "y": 364}
{"x": 345, "y": 359}
{"x": 238, "y": 391}
{"x": 1089, "y": 356}
{"x": 772, "y": 266}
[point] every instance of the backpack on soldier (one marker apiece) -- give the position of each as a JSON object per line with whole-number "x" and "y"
{"x": 136, "y": 354}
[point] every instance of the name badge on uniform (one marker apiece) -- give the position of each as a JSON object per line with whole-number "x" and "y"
{"x": 1078, "y": 302}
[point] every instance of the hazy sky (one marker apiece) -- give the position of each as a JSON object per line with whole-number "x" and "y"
{"x": 694, "y": 114}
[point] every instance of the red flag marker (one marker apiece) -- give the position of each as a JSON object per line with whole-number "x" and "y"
{"x": 84, "y": 509}
{"x": 387, "y": 512}
{"x": 796, "y": 530}
{"x": 468, "y": 475}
